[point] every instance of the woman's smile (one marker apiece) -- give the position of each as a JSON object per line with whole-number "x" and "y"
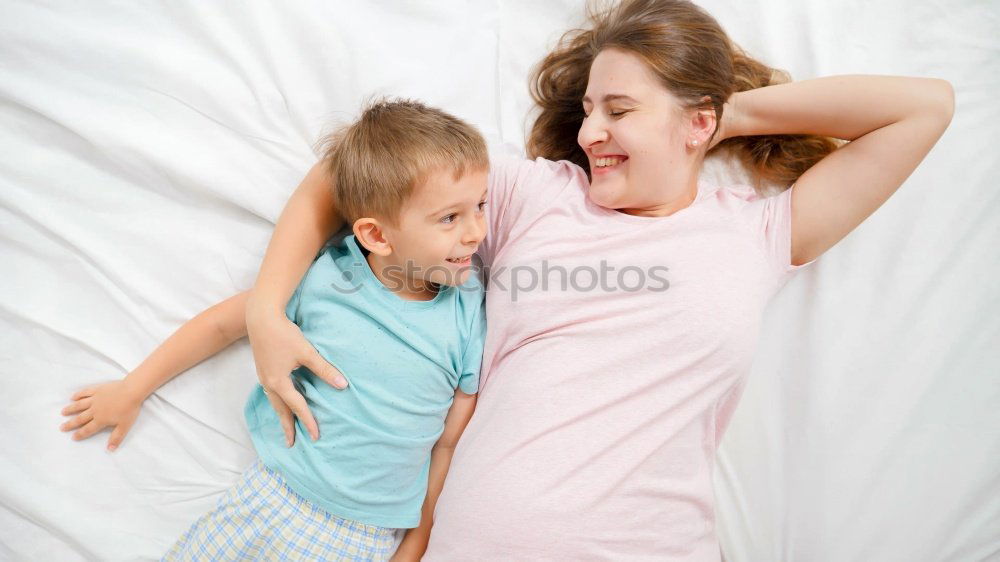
{"x": 607, "y": 164}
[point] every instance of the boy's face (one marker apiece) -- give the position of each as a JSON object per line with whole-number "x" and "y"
{"x": 439, "y": 228}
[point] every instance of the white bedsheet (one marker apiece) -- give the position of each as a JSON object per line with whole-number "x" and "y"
{"x": 148, "y": 148}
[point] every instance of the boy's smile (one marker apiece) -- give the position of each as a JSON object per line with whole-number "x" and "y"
{"x": 439, "y": 228}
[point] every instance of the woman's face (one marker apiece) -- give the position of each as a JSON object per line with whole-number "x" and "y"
{"x": 635, "y": 136}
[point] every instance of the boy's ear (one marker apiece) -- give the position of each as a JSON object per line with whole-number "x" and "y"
{"x": 369, "y": 233}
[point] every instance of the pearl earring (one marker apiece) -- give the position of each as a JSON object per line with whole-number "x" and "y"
{"x": 694, "y": 143}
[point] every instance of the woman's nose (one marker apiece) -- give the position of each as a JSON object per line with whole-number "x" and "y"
{"x": 592, "y": 131}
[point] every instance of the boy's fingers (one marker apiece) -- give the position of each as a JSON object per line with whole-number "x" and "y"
{"x": 116, "y": 436}
{"x": 83, "y": 393}
{"x": 324, "y": 370}
{"x": 77, "y": 421}
{"x": 78, "y": 406}
{"x": 91, "y": 428}
{"x": 297, "y": 404}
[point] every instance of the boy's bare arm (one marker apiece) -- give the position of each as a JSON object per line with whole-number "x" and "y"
{"x": 116, "y": 404}
{"x": 208, "y": 333}
{"x": 415, "y": 541}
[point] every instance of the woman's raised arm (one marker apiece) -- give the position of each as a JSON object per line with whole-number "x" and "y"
{"x": 306, "y": 223}
{"x": 891, "y": 121}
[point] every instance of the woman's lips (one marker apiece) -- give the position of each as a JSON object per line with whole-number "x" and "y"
{"x": 616, "y": 164}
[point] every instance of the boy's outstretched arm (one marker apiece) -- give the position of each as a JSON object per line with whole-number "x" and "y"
{"x": 415, "y": 541}
{"x": 116, "y": 404}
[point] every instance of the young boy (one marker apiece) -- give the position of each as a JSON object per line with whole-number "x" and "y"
{"x": 395, "y": 307}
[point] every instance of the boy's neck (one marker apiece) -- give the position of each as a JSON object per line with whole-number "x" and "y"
{"x": 411, "y": 289}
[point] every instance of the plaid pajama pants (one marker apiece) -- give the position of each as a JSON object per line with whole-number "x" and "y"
{"x": 261, "y": 518}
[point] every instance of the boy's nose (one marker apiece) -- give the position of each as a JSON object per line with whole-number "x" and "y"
{"x": 476, "y": 231}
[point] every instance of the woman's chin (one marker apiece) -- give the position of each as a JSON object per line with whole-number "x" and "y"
{"x": 602, "y": 196}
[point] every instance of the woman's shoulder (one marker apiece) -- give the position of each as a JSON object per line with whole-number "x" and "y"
{"x": 523, "y": 189}
{"x": 741, "y": 199}
{"x": 517, "y": 181}
{"x": 738, "y": 193}
{"x": 766, "y": 216}
{"x": 512, "y": 168}
{"x": 728, "y": 181}
{"x": 535, "y": 183}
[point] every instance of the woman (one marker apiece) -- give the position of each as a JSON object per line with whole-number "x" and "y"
{"x": 602, "y": 403}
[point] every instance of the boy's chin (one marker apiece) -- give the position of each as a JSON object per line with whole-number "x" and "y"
{"x": 453, "y": 278}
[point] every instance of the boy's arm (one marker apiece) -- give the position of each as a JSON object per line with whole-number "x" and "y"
{"x": 117, "y": 403}
{"x": 201, "y": 337}
{"x": 415, "y": 541}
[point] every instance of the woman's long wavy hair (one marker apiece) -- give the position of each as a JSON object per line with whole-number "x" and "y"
{"x": 693, "y": 58}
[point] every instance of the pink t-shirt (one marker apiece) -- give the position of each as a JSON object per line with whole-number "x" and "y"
{"x": 605, "y": 392}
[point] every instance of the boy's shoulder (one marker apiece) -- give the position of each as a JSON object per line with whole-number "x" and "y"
{"x": 333, "y": 257}
{"x": 335, "y": 273}
{"x": 338, "y": 245}
{"x": 472, "y": 301}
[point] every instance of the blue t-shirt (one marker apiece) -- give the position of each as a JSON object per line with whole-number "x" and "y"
{"x": 403, "y": 359}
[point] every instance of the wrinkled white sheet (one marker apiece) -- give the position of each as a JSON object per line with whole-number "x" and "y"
{"x": 148, "y": 148}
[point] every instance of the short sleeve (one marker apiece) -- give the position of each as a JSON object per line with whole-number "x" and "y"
{"x": 292, "y": 308}
{"x": 499, "y": 200}
{"x": 770, "y": 220}
{"x": 520, "y": 190}
{"x": 472, "y": 358}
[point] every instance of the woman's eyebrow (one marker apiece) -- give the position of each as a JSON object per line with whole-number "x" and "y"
{"x": 612, "y": 97}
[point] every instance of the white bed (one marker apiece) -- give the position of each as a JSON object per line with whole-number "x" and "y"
{"x": 148, "y": 148}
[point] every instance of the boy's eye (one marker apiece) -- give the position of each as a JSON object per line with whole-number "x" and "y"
{"x": 482, "y": 206}
{"x": 449, "y": 218}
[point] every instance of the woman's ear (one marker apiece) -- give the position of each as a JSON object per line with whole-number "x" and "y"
{"x": 703, "y": 123}
{"x": 370, "y": 233}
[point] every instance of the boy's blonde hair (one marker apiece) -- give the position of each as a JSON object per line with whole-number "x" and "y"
{"x": 377, "y": 161}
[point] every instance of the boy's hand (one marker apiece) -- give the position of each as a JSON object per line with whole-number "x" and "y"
{"x": 110, "y": 404}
